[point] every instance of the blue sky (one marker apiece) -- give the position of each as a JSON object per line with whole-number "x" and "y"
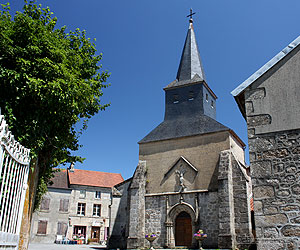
{"x": 142, "y": 41}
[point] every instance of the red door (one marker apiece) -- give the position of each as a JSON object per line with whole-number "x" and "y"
{"x": 183, "y": 230}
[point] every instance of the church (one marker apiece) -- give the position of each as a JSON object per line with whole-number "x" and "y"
{"x": 191, "y": 173}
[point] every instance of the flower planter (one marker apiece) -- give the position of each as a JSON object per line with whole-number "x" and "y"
{"x": 151, "y": 239}
{"x": 200, "y": 236}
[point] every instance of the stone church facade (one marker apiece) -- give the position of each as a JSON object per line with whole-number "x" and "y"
{"x": 191, "y": 173}
{"x": 269, "y": 101}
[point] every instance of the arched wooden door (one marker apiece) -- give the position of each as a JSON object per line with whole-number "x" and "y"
{"x": 183, "y": 230}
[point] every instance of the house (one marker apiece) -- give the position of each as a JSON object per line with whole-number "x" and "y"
{"x": 76, "y": 206}
{"x": 269, "y": 100}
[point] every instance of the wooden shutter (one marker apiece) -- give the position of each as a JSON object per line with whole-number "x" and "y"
{"x": 61, "y": 205}
{"x": 45, "y": 204}
{"x": 62, "y": 228}
{"x": 59, "y": 228}
{"x": 64, "y": 205}
{"x": 42, "y": 227}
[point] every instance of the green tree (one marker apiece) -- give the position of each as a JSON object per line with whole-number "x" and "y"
{"x": 49, "y": 82}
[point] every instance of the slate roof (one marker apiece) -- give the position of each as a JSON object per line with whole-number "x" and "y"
{"x": 276, "y": 59}
{"x": 190, "y": 62}
{"x": 185, "y": 126}
{"x": 60, "y": 180}
{"x": 94, "y": 178}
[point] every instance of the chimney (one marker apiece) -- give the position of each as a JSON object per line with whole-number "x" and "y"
{"x": 71, "y": 168}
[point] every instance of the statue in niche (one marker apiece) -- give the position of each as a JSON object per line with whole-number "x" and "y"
{"x": 180, "y": 174}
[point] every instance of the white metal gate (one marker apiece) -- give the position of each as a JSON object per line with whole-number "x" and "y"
{"x": 14, "y": 168}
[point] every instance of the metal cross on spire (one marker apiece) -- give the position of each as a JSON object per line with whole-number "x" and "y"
{"x": 191, "y": 14}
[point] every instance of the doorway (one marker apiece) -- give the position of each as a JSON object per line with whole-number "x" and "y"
{"x": 95, "y": 237}
{"x": 183, "y": 230}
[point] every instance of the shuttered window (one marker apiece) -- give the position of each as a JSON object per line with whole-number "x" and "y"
{"x": 42, "y": 227}
{"x": 45, "y": 204}
{"x": 64, "y": 205}
{"x": 62, "y": 228}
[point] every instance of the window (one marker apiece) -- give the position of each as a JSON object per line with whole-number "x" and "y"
{"x": 97, "y": 210}
{"x": 212, "y": 104}
{"x": 175, "y": 98}
{"x": 82, "y": 194}
{"x": 81, "y": 209}
{"x": 45, "y": 204}
{"x": 191, "y": 96}
{"x": 64, "y": 205}
{"x": 62, "y": 228}
{"x": 97, "y": 194}
{"x": 206, "y": 97}
{"x": 42, "y": 227}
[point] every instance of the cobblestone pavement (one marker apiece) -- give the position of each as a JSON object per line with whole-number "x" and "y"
{"x": 62, "y": 246}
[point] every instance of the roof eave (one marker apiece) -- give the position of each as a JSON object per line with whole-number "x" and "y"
{"x": 237, "y": 138}
{"x": 181, "y": 137}
{"x": 193, "y": 83}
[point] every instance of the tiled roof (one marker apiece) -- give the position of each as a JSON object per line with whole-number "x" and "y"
{"x": 94, "y": 178}
{"x": 60, "y": 180}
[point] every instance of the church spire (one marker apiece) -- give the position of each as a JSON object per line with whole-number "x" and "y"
{"x": 190, "y": 63}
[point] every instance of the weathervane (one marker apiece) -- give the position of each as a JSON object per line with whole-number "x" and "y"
{"x": 191, "y": 14}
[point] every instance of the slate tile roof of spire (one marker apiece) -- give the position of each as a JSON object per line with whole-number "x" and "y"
{"x": 190, "y": 67}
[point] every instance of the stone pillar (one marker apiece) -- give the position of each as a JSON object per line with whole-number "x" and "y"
{"x": 227, "y": 237}
{"x": 170, "y": 242}
{"x": 136, "y": 220}
{"x": 241, "y": 195}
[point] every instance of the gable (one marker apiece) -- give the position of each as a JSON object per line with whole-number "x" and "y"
{"x": 180, "y": 173}
{"x": 272, "y": 102}
{"x": 277, "y": 60}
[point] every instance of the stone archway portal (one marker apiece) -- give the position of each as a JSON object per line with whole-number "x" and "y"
{"x": 183, "y": 230}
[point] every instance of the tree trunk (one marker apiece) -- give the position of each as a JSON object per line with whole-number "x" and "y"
{"x": 29, "y": 205}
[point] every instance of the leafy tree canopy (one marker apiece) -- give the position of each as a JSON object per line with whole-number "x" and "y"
{"x": 49, "y": 82}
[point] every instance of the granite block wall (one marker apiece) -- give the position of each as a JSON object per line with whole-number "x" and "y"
{"x": 275, "y": 162}
{"x": 209, "y": 217}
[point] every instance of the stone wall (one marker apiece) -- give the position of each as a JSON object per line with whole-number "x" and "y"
{"x": 205, "y": 205}
{"x": 155, "y": 217}
{"x": 275, "y": 170}
{"x": 209, "y": 218}
{"x": 119, "y": 216}
{"x": 136, "y": 201}
{"x": 51, "y": 215}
